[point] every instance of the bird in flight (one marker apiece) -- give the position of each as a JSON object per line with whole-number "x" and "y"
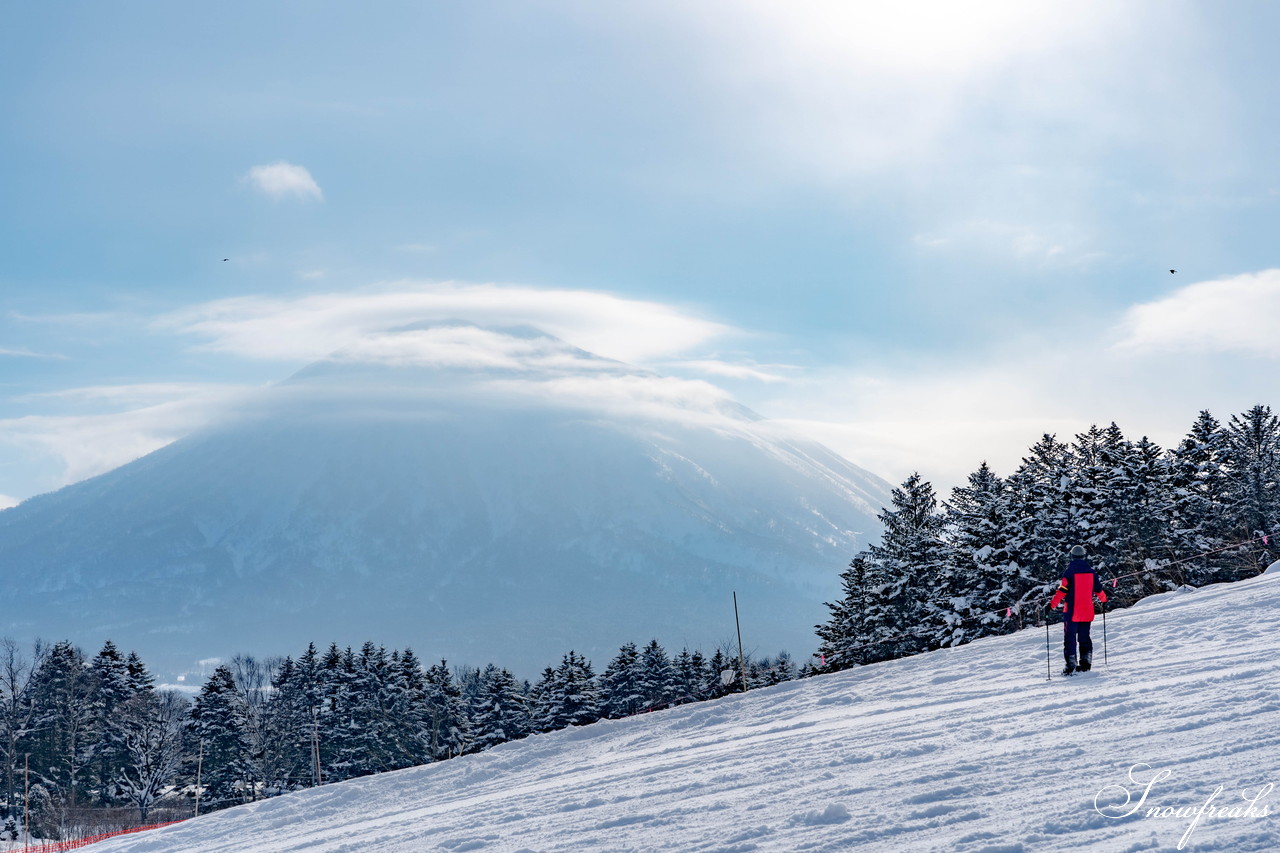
{"x": 227, "y": 259}
{"x": 1171, "y": 271}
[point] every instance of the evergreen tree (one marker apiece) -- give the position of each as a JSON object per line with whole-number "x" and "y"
{"x": 411, "y": 715}
{"x": 572, "y": 697}
{"x": 1141, "y": 531}
{"x": 501, "y": 712}
{"x": 372, "y": 745}
{"x": 620, "y": 686}
{"x": 898, "y": 615}
{"x": 218, "y": 729}
{"x": 844, "y": 636}
{"x": 690, "y": 683}
{"x": 1043, "y": 527}
{"x": 298, "y": 717}
{"x": 657, "y": 678}
{"x": 448, "y": 725}
{"x": 112, "y": 688}
{"x": 1201, "y": 487}
{"x": 1253, "y": 461}
{"x": 289, "y": 723}
{"x": 63, "y": 750}
{"x": 337, "y": 716}
{"x": 140, "y": 678}
{"x": 542, "y": 702}
{"x": 988, "y": 583}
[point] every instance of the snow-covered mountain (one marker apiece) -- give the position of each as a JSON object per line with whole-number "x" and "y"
{"x": 965, "y": 750}
{"x": 476, "y": 494}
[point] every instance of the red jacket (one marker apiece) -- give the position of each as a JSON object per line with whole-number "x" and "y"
{"x": 1079, "y": 585}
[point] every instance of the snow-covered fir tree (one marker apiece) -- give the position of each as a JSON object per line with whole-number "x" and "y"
{"x": 902, "y": 571}
{"x": 501, "y": 710}
{"x": 1253, "y": 460}
{"x": 448, "y": 726}
{"x": 218, "y": 729}
{"x": 64, "y": 744}
{"x": 989, "y": 586}
{"x": 1201, "y": 487}
{"x": 570, "y": 697}
{"x": 657, "y": 678}
{"x": 691, "y": 681}
{"x": 112, "y": 687}
{"x": 621, "y": 690}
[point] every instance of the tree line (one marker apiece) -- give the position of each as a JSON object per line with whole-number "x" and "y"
{"x": 985, "y": 560}
{"x": 83, "y": 739}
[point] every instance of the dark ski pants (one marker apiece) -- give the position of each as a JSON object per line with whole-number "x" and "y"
{"x": 1073, "y": 632}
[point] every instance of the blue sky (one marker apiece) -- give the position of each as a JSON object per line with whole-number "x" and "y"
{"x": 924, "y": 235}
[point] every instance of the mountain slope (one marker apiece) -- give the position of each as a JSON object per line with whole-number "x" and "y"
{"x": 507, "y": 500}
{"x": 968, "y": 749}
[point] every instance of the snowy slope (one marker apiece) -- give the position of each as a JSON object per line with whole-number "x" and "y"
{"x": 480, "y": 495}
{"x": 969, "y": 749}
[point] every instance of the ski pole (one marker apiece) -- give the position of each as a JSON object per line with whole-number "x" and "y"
{"x": 1048, "y": 660}
{"x": 1104, "y": 636}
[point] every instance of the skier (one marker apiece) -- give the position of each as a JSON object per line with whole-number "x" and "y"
{"x": 1078, "y": 587}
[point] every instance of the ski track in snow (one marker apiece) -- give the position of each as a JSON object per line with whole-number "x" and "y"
{"x": 969, "y": 750}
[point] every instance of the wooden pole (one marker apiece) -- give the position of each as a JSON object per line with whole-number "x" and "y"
{"x": 741, "y": 661}
{"x": 315, "y": 746}
{"x": 199, "y": 767}
{"x": 26, "y": 800}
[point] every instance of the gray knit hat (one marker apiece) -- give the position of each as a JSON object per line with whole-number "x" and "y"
{"x": 1077, "y": 551}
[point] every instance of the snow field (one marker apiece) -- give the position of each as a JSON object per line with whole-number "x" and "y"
{"x": 969, "y": 750}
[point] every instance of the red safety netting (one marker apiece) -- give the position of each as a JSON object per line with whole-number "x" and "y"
{"x": 77, "y": 843}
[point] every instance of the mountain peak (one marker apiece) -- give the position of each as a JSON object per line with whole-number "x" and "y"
{"x": 487, "y": 495}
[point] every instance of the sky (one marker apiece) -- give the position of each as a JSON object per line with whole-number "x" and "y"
{"x": 924, "y": 233}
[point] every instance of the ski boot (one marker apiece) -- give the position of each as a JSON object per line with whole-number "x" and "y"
{"x": 1070, "y": 668}
{"x": 1086, "y": 662}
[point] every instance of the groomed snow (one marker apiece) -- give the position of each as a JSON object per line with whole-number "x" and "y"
{"x": 967, "y": 749}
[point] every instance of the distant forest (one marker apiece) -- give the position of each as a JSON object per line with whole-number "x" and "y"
{"x": 91, "y": 746}
{"x": 986, "y": 560}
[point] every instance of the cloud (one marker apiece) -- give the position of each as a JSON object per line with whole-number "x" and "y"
{"x": 314, "y": 326}
{"x": 470, "y": 347}
{"x": 1059, "y": 244}
{"x": 410, "y": 324}
{"x": 6, "y": 501}
{"x": 284, "y": 180}
{"x": 944, "y": 417}
{"x": 26, "y": 353}
{"x": 633, "y": 395}
{"x": 1235, "y": 314}
{"x": 843, "y": 89}
{"x": 85, "y": 445}
{"x": 137, "y": 393}
{"x": 732, "y": 370}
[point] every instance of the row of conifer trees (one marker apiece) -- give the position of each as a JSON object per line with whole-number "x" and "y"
{"x": 986, "y": 560}
{"x": 81, "y": 738}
